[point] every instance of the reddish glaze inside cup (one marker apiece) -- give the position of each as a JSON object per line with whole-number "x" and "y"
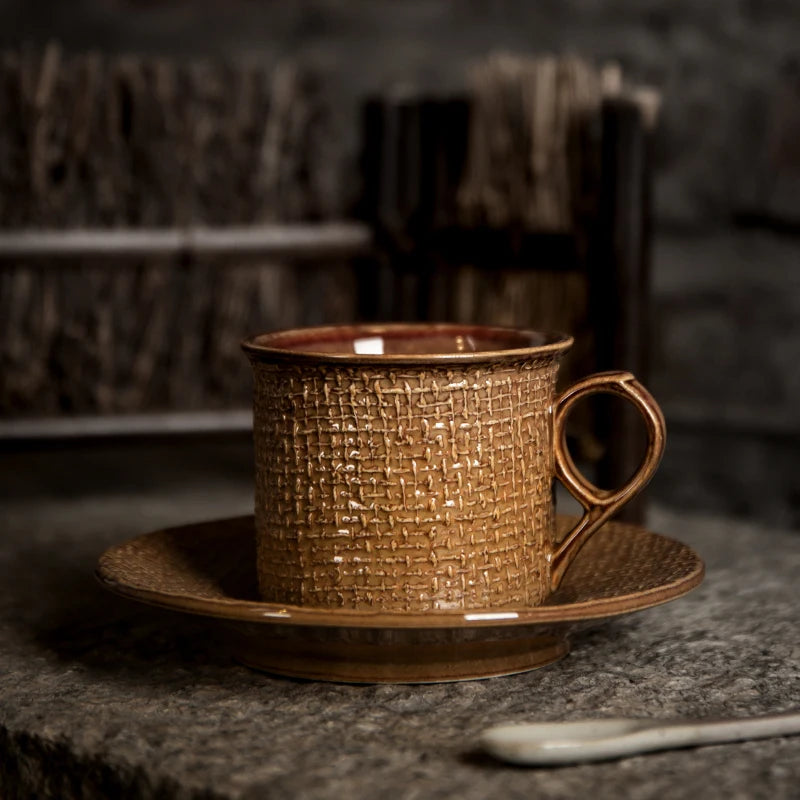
{"x": 403, "y": 340}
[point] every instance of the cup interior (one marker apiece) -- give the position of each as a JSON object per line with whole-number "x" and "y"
{"x": 404, "y": 340}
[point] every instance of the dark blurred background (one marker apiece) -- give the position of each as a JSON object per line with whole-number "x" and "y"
{"x": 252, "y": 113}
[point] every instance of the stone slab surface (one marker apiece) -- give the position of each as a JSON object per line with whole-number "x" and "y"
{"x": 100, "y": 697}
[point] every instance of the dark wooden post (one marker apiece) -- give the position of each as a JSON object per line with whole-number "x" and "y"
{"x": 619, "y": 273}
{"x": 413, "y": 151}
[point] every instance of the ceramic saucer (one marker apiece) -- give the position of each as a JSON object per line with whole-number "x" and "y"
{"x": 208, "y": 569}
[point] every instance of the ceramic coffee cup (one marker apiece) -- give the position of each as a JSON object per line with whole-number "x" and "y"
{"x": 409, "y": 468}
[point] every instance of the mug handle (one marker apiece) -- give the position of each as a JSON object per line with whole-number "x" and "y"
{"x": 600, "y": 504}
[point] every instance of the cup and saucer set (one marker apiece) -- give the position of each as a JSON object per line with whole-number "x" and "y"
{"x": 404, "y": 527}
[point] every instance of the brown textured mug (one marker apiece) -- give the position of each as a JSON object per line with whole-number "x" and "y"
{"x": 410, "y": 467}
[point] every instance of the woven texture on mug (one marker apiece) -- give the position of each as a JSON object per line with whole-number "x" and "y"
{"x": 411, "y": 489}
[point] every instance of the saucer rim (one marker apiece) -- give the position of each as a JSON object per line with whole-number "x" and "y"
{"x": 252, "y": 611}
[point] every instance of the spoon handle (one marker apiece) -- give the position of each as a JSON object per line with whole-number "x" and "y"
{"x": 731, "y": 730}
{"x": 600, "y": 740}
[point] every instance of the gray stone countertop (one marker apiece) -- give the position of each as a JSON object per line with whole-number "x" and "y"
{"x": 101, "y": 697}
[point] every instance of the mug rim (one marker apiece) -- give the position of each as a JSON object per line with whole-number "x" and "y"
{"x": 266, "y": 347}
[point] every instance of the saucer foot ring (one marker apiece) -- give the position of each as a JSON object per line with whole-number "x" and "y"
{"x": 408, "y": 662}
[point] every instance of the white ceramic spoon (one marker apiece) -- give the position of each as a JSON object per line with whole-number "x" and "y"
{"x": 544, "y": 743}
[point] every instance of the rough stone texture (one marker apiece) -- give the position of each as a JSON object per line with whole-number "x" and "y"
{"x": 726, "y": 344}
{"x": 100, "y": 697}
{"x": 726, "y": 330}
{"x": 746, "y": 475}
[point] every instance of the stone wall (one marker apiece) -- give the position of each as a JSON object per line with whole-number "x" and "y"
{"x": 727, "y": 250}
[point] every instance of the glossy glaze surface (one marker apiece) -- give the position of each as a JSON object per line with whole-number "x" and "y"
{"x": 404, "y": 343}
{"x": 209, "y": 569}
{"x": 418, "y": 476}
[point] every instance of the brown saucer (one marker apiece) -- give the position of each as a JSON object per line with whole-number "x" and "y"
{"x": 209, "y": 569}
